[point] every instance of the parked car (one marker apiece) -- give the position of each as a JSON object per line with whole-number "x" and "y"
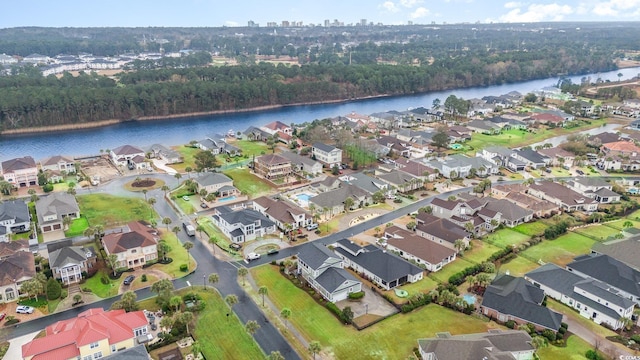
{"x": 235, "y": 246}
{"x": 203, "y": 205}
{"x": 23, "y": 309}
{"x": 2, "y": 316}
{"x": 185, "y": 198}
{"x": 580, "y": 172}
{"x": 154, "y": 327}
{"x": 253, "y": 256}
{"x": 272, "y": 251}
{"x": 312, "y": 227}
{"x": 128, "y": 280}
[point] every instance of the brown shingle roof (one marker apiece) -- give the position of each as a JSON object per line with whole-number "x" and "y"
{"x": 22, "y": 163}
{"x": 139, "y": 236}
{"x": 272, "y": 159}
{"x": 17, "y": 266}
{"x": 418, "y": 246}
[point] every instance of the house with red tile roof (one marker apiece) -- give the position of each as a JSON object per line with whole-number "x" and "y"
{"x": 93, "y": 334}
{"x": 135, "y": 247}
{"x": 620, "y": 148}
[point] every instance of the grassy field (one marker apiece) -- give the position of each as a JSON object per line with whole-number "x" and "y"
{"x": 188, "y": 154}
{"x": 518, "y": 266}
{"x": 77, "y": 227}
{"x": 251, "y": 148}
{"x": 530, "y": 229}
{"x": 214, "y": 233}
{"x": 100, "y": 289}
{"x": 178, "y": 254}
{"x": 248, "y": 183}
{"x": 506, "y": 237}
{"x": 575, "y": 350}
{"x": 444, "y": 274}
{"x": 108, "y": 210}
{"x": 599, "y": 231}
{"x": 480, "y": 251}
{"x": 394, "y": 338}
{"x": 423, "y": 286}
{"x": 560, "y": 251}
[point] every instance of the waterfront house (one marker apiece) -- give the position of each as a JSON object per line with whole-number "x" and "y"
{"x": 58, "y": 164}
{"x": 272, "y": 166}
{"x": 128, "y": 156}
{"x": 302, "y": 163}
{"x": 20, "y": 172}
{"x": 169, "y": 156}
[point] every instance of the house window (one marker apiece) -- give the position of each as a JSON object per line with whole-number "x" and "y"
{"x": 140, "y": 331}
{"x": 94, "y": 345}
{"x": 97, "y": 355}
{"x": 133, "y": 251}
{"x": 88, "y": 357}
{"x": 113, "y": 348}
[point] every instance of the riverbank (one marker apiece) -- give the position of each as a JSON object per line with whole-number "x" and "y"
{"x": 104, "y": 123}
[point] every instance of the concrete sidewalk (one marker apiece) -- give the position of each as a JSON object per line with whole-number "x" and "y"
{"x": 15, "y": 345}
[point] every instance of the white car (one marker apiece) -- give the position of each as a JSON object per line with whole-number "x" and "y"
{"x": 253, "y": 256}
{"x": 22, "y": 309}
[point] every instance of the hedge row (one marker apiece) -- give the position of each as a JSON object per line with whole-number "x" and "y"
{"x": 459, "y": 277}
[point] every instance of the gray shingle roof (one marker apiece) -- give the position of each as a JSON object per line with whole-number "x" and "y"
{"x": 488, "y": 346}
{"x": 16, "y": 210}
{"x": 207, "y": 179}
{"x": 57, "y": 203}
{"x": 324, "y": 147}
{"x": 332, "y": 278}
{"x": 67, "y": 255}
{"x": 315, "y": 254}
{"x": 609, "y": 271}
{"x": 246, "y": 217}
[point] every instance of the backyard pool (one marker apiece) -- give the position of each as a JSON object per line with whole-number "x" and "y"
{"x": 455, "y": 146}
{"x": 469, "y": 299}
{"x": 228, "y": 198}
{"x": 303, "y": 199}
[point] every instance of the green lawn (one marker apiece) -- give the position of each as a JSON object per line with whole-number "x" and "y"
{"x": 223, "y": 337}
{"x": 394, "y": 338}
{"x": 518, "y": 266}
{"x": 573, "y": 314}
{"x": 248, "y": 183}
{"x": 214, "y": 233}
{"x": 100, "y": 289}
{"x": 188, "y": 154}
{"x": 108, "y": 210}
{"x": 187, "y": 207}
{"x": 575, "y": 350}
{"x": 177, "y": 253}
{"x": 450, "y": 269}
{"x": 560, "y": 251}
{"x": 530, "y": 229}
{"x": 77, "y": 227}
{"x": 601, "y": 232}
{"x": 506, "y": 237}
{"x": 618, "y": 224}
{"x": 480, "y": 251}
{"x": 558, "y": 171}
{"x": 251, "y": 148}
{"x": 423, "y": 286}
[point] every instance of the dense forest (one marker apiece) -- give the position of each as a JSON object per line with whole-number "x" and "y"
{"x": 334, "y": 64}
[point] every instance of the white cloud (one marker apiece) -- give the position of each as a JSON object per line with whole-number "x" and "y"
{"x": 538, "y": 12}
{"x": 230, "y": 23}
{"x": 390, "y": 6}
{"x": 617, "y": 7}
{"x": 410, "y": 3}
{"x": 512, "y": 4}
{"x": 419, "y": 13}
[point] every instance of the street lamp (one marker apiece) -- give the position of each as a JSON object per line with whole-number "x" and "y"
{"x": 204, "y": 281}
{"x": 366, "y": 309}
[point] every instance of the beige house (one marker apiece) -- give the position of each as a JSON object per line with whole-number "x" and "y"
{"x": 20, "y": 172}
{"x": 16, "y": 266}
{"x": 51, "y": 211}
{"x": 134, "y": 248}
{"x": 216, "y": 183}
{"x": 272, "y": 166}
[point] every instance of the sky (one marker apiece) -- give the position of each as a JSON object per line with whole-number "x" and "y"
{"x": 214, "y": 13}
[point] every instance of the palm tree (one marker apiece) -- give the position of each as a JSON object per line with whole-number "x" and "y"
{"x": 286, "y": 314}
{"x": 175, "y": 302}
{"x": 242, "y": 272}
{"x": 163, "y": 248}
{"x": 144, "y": 192}
{"x": 151, "y": 201}
{"x": 348, "y": 203}
{"x": 178, "y": 176}
{"x": 200, "y": 229}
{"x": 165, "y": 188}
{"x": 263, "y": 290}
{"x": 231, "y": 300}
{"x": 67, "y": 220}
{"x": 314, "y": 348}
{"x": 460, "y": 245}
{"x": 251, "y": 326}
{"x": 188, "y": 245}
{"x": 167, "y": 221}
{"x": 625, "y": 323}
{"x": 213, "y": 278}
{"x": 185, "y": 318}
{"x": 176, "y": 230}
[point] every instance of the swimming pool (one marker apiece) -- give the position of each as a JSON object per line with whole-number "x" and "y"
{"x": 303, "y": 197}
{"x": 228, "y": 198}
{"x": 469, "y": 299}
{"x": 455, "y": 146}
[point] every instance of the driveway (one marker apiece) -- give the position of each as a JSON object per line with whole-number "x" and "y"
{"x": 604, "y": 345}
{"x": 372, "y": 303}
{"x": 15, "y": 345}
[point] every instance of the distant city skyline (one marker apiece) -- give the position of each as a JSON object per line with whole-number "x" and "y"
{"x": 215, "y": 13}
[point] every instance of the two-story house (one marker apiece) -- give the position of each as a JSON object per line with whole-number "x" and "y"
{"x": 169, "y": 156}
{"x": 128, "y": 156}
{"x": 14, "y": 218}
{"x": 242, "y": 225}
{"x": 68, "y": 263}
{"x": 133, "y": 248}
{"x": 93, "y": 334}
{"x": 444, "y": 208}
{"x": 323, "y": 270}
{"x": 328, "y": 155}
{"x": 51, "y": 211}
{"x": 616, "y": 274}
{"x": 272, "y": 166}
{"x": 20, "y": 172}
{"x": 17, "y": 265}
{"x": 442, "y": 231}
{"x": 286, "y": 216}
{"x": 54, "y": 166}
{"x": 595, "y": 188}
{"x": 216, "y": 183}
{"x": 302, "y": 163}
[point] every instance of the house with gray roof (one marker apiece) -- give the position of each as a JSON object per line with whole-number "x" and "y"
{"x": 514, "y": 298}
{"x": 498, "y": 155}
{"x": 492, "y": 345}
{"x": 483, "y": 127}
{"x": 595, "y": 188}
{"x": 625, "y": 250}
{"x": 324, "y": 271}
{"x": 380, "y": 267}
{"x": 332, "y": 202}
{"x": 51, "y": 211}
{"x": 617, "y": 275}
{"x": 14, "y": 218}
{"x": 242, "y": 225}
{"x": 69, "y": 263}
{"x": 302, "y": 163}
{"x": 58, "y": 164}
{"x": 161, "y": 152}
{"x": 367, "y": 183}
{"x": 568, "y": 199}
{"x": 255, "y": 134}
{"x": 511, "y": 215}
{"x": 286, "y": 215}
{"x": 328, "y": 155}
{"x": 531, "y": 158}
{"x": 402, "y": 181}
{"x": 128, "y": 155}
{"x": 216, "y": 183}
{"x": 593, "y": 299}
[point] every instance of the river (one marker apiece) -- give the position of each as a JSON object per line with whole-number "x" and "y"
{"x": 181, "y": 131}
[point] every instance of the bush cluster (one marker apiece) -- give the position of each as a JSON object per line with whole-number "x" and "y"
{"x": 416, "y": 301}
{"x": 593, "y": 355}
{"x": 356, "y": 295}
{"x": 54, "y": 289}
{"x": 556, "y": 230}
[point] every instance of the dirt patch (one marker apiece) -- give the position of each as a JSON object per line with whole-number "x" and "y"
{"x": 143, "y": 183}
{"x": 99, "y": 168}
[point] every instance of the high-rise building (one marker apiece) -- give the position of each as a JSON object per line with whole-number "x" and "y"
{"x": 363, "y": 22}
{"x": 327, "y": 23}
{"x": 285, "y": 23}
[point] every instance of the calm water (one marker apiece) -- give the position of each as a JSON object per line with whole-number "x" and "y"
{"x": 175, "y": 132}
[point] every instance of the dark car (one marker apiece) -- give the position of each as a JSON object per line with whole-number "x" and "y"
{"x": 580, "y": 172}
{"x": 272, "y": 251}
{"x": 203, "y": 205}
{"x": 128, "y": 280}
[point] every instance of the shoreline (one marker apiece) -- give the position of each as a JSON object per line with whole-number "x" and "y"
{"x": 105, "y": 123}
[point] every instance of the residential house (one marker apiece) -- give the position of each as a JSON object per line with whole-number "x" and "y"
{"x": 492, "y": 345}
{"x": 483, "y": 127}
{"x": 395, "y": 146}
{"x": 548, "y": 119}
{"x": 500, "y": 191}
{"x": 624, "y": 250}
{"x": 57, "y": 164}
{"x": 256, "y": 134}
{"x": 323, "y": 270}
{"x": 51, "y": 211}
{"x": 607, "y": 137}
{"x": 540, "y": 208}
{"x": 129, "y": 156}
{"x": 417, "y": 249}
{"x": 594, "y": 299}
{"x": 93, "y": 334}
{"x": 20, "y": 172}
{"x": 329, "y": 183}
{"x": 303, "y": 164}
{"x": 444, "y": 208}
{"x": 417, "y": 169}
{"x": 17, "y": 265}
{"x": 14, "y": 218}
{"x": 496, "y": 154}
{"x": 169, "y": 156}
{"x": 133, "y": 248}
{"x": 8, "y": 248}
{"x": 531, "y": 158}
{"x": 328, "y": 155}
{"x": 378, "y": 266}
{"x": 451, "y": 168}
{"x": 621, "y": 148}
{"x": 558, "y": 156}
{"x": 285, "y": 215}
{"x": 332, "y": 202}
{"x": 217, "y": 144}
{"x": 402, "y": 181}
{"x": 369, "y": 184}
{"x": 277, "y": 127}
{"x": 511, "y": 215}
{"x": 69, "y": 263}
{"x": 595, "y": 188}
{"x": 242, "y": 225}
{"x": 441, "y": 231}
{"x": 569, "y": 200}
{"x": 478, "y": 165}
{"x": 272, "y": 166}
{"x": 514, "y": 298}
{"x": 216, "y": 183}
{"x": 617, "y": 275}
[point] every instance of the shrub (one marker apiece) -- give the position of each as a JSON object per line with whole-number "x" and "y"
{"x": 47, "y": 188}
{"x": 510, "y": 324}
{"x": 564, "y": 326}
{"x": 334, "y": 309}
{"x": 356, "y": 295}
{"x": 143, "y": 278}
{"x": 64, "y": 294}
{"x": 54, "y": 289}
{"x": 184, "y": 268}
{"x": 593, "y": 355}
{"x": 87, "y": 290}
{"x": 549, "y": 334}
{"x": 104, "y": 278}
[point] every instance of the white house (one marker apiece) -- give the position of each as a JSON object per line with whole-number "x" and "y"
{"x": 129, "y": 156}
{"x": 329, "y": 155}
